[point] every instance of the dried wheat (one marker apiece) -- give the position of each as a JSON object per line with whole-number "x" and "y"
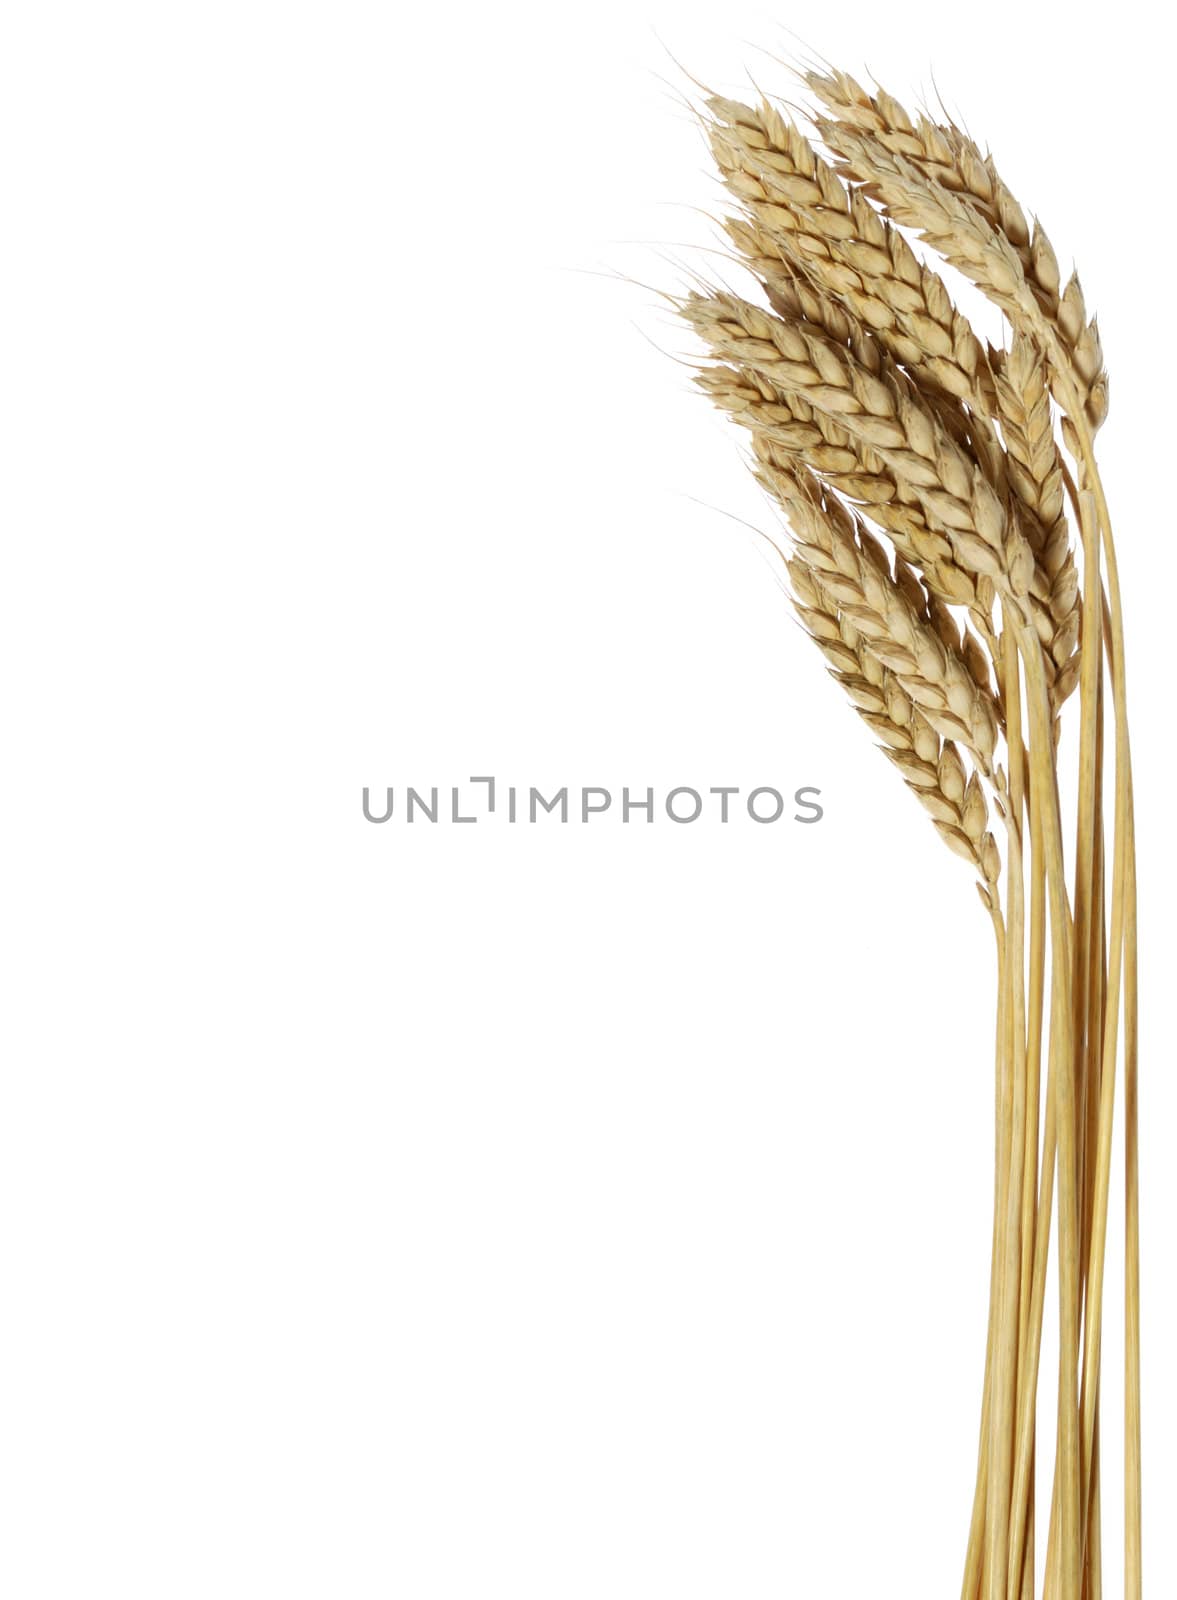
{"x": 871, "y": 404}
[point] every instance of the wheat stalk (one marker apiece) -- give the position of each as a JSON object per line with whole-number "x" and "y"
{"x": 961, "y": 584}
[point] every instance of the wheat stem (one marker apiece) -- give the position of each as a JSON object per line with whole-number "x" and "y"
{"x": 1011, "y": 1154}
{"x": 1041, "y": 743}
{"x": 1122, "y": 954}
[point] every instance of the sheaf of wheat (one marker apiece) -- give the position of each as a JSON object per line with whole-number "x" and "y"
{"x": 951, "y": 556}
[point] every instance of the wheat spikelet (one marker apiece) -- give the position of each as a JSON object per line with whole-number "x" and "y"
{"x": 790, "y": 292}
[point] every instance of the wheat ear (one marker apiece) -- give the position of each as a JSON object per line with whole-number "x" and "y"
{"x": 1035, "y": 473}
{"x": 933, "y": 178}
{"x": 930, "y": 766}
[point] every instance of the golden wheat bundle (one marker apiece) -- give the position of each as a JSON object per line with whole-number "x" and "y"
{"x": 952, "y": 558}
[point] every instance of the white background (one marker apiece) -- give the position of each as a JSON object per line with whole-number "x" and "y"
{"x": 443, "y": 1213}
